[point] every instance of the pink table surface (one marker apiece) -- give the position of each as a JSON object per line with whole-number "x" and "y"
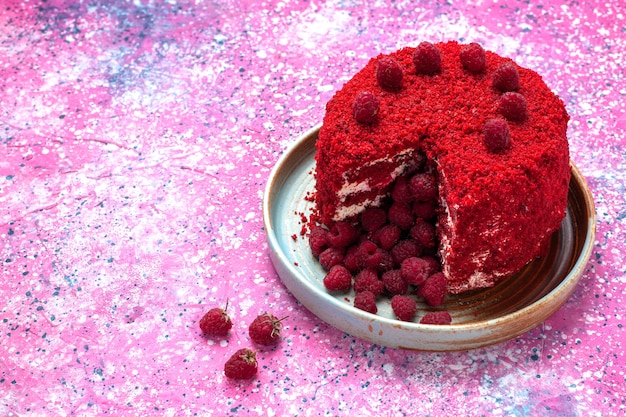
{"x": 136, "y": 139}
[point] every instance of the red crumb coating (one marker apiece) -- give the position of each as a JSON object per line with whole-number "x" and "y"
{"x": 503, "y": 206}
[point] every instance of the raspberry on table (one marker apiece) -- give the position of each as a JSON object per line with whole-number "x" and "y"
{"x": 427, "y": 59}
{"x": 434, "y": 289}
{"x": 241, "y": 365}
{"x": 394, "y": 283}
{"x": 373, "y": 219}
{"x": 265, "y": 329}
{"x": 317, "y": 240}
{"x": 506, "y": 77}
{"x": 497, "y": 135}
{"x": 342, "y": 234}
{"x": 400, "y": 214}
{"x": 415, "y": 270}
{"x": 473, "y": 58}
{"x": 423, "y": 233}
{"x": 366, "y": 301}
{"x": 389, "y": 73}
{"x": 338, "y": 279}
{"x": 216, "y": 322}
{"x": 512, "y": 106}
{"x": 367, "y": 280}
{"x": 404, "y": 307}
{"x": 330, "y": 257}
{"x": 387, "y": 236}
{"x": 406, "y": 248}
{"x": 436, "y": 317}
{"x": 423, "y": 186}
{"x": 365, "y": 107}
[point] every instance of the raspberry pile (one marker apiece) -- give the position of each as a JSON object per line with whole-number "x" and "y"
{"x": 265, "y": 330}
{"x": 389, "y": 251}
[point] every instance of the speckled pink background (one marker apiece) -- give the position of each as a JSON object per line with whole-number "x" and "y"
{"x": 136, "y": 138}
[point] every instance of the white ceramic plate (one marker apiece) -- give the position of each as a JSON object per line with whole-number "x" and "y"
{"x": 479, "y": 318}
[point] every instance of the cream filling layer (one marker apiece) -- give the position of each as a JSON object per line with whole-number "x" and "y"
{"x": 350, "y": 188}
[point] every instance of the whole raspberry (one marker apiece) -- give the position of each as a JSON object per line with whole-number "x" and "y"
{"x": 242, "y": 365}
{"x": 351, "y": 260}
{"x": 389, "y": 73}
{"x": 427, "y": 59}
{"x": 342, "y": 234}
{"x": 265, "y": 329}
{"x": 317, "y": 240}
{"x": 415, "y": 270}
{"x": 404, "y": 307}
{"x": 436, "y": 317}
{"x": 426, "y": 210}
{"x": 387, "y": 236}
{"x": 506, "y": 78}
{"x": 401, "y": 215}
{"x": 366, "y": 301}
{"x": 365, "y": 107}
{"x": 423, "y": 186}
{"x": 331, "y": 257}
{"x": 394, "y": 283}
{"x": 338, "y": 279}
{"x": 401, "y": 193}
{"x": 419, "y": 160}
{"x": 367, "y": 280}
{"x": 373, "y": 219}
{"x": 513, "y": 106}
{"x": 423, "y": 233}
{"x": 406, "y": 248}
{"x": 376, "y": 260}
{"x": 433, "y": 264}
{"x": 216, "y": 322}
{"x": 434, "y": 289}
{"x": 386, "y": 264}
{"x": 497, "y": 135}
{"x": 473, "y": 58}
{"x": 369, "y": 255}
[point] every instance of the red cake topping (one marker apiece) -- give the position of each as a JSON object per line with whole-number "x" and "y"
{"x": 473, "y": 58}
{"x": 497, "y": 135}
{"x": 389, "y": 73}
{"x": 506, "y": 77}
{"x": 513, "y": 106}
{"x": 365, "y": 107}
{"x": 427, "y": 59}
{"x": 502, "y": 186}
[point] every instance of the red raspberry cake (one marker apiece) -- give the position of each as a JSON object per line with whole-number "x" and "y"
{"x": 490, "y": 133}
